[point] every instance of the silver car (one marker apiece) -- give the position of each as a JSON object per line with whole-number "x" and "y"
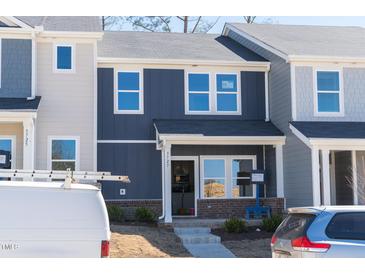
{"x": 321, "y": 232}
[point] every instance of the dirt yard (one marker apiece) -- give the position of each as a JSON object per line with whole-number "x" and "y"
{"x": 130, "y": 241}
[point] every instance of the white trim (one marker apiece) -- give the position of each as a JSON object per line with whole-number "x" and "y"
{"x": 340, "y": 92}
{"x": 246, "y": 65}
{"x": 258, "y": 42}
{"x": 279, "y": 171}
{"x": 326, "y": 183}
{"x": 354, "y": 177}
{"x": 293, "y": 92}
{"x": 77, "y": 150}
{"x": 325, "y": 59}
{"x": 316, "y": 188}
{"x": 195, "y": 159}
{"x": 126, "y": 141}
{"x": 333, "y": 178}
{"x": 140, "y": 93}
{"x": 0, "y": 59}
{"x": 166, "y": 150}
{"x": 228, "y": 178}
{"x": 34, "y": 65}
{"x": 72, "y": 34}
{"x": 95, "y": 106}
{"x": 267, "y": 108}
{"x": 73, "y": 53}
{"x": 300, "y": 135}
{"x": 12, "y": 138}
{"x": 13, "y": 21}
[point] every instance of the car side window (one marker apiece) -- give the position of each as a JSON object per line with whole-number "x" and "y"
{"x": 347, "y": 226}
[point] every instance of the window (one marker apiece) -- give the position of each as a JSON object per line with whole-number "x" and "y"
{"x": 241, "y": 169}
{"x": 227, "y": 176}
{"x": 227, "y": 93}
{"x": 217, "y": 95}
{"x": 129, "y": 96}
{"x": 198, "y": 92}
{"x": 214, "y": 178}
{"x": 64, "y": 153}
{"x": 64, "y": 56}
{"x": 347, "y": 226}
{"x": 328, "y": 92}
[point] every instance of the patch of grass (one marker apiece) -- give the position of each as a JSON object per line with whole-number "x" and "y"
{"x": 145, "y": 215}
{"x": 271, "y": 224}
{"x": 235, "y": 225}
{"x": 115, "y": 213}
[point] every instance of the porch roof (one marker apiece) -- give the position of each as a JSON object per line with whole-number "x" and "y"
{"x": 19, "y": 104}
{"x": 216, "y": 128}
{"x": 342, "y": 130}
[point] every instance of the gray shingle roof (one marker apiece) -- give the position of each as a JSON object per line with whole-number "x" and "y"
{"x": 19, "y": 103}
{"x": 352, "y": 130}
{"x": 152, "y": 45}
{"x": 309, "y": 40}
{"x": 64, "y": 23}
{"x": 217, "y": 127}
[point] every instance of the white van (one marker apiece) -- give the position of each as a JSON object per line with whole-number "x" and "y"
{"x": 39, "y": 219}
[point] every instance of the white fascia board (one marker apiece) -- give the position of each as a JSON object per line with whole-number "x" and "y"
{"x": 16, "y": 22}
{"x": 262, "y": 66}
{"x": 17, "y": 115}
{"x": 224, "y": 140}
{"x": 71, "y": 34}
{"x": 256, "y": 41}
{"x": 325, "y": 59}
{"x": 300, "y": 135}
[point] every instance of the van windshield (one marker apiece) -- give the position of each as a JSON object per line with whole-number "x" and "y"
{"x": 294, "y": 226}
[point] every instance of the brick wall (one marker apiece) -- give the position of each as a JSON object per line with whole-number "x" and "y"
{"x": 225, "y": 208}
{"x": 130, "y": 206}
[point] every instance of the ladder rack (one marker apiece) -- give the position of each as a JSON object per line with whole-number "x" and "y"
{"x": 69, "y": 176}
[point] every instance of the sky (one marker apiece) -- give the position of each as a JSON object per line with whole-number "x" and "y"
{"x": 293, "y": 20}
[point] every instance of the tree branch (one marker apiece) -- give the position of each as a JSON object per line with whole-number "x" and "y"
{"x": 165, "y": 22}
{"x": 212, "y": 25}
{"x": 142, "y": 26}
{"x": 197, "y": 23}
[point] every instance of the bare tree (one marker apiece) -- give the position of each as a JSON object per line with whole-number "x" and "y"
{"x": 249, "y": 19}
{"x": 357, "y": 184}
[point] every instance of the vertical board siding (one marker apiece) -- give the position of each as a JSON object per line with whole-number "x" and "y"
{"x": 253, "y": 95}
{"x": 16, "y": 68}
{"x": 141, "y": 162}
{"x": 296, "y": 155}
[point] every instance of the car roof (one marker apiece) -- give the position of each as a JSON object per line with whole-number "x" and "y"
{"x": 319, "y": 209}
{"x": 47, "y": 185}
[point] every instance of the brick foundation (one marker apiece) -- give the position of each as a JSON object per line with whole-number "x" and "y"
{"x": 130, "y": 206}
{"x": 225, "y": 208}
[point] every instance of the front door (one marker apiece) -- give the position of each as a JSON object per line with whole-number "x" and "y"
{"x": 183, "y": 187}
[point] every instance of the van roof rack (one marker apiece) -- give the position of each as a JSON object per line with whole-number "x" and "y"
{"x": 68, "y": 175}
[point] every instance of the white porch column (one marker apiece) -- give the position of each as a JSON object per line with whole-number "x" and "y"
{"x": 167, "y": 180}
{"x": 28, "y": 143}
{"x": 316, "y": 188}
{"x": 279, "y": 171}
{"x": 354, "y": 177}
{"x": 326, "y": 177}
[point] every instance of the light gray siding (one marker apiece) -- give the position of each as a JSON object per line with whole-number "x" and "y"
{"x": 16, "y": 68}
{"x": 353, "y": 88}
{"x": 296, "y": 155}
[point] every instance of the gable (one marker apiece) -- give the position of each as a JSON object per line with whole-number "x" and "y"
{"x": 12, "y": 22}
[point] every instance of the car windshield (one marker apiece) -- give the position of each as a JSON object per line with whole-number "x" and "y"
{"x": 294, "y": 226}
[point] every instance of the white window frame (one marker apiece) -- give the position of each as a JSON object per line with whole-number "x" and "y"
{"x": 237, "y": 93}
{"x": 228, "y": 179}
{"x": 73, "y": 52}
{"x": 12, "y": 138}
{"x": 65, "y": 138}
{"x": 140, "y": 93}
{"x": 340, "y": 92}
{"x": 188, "y": 92}
{"x": 213, "y": 93}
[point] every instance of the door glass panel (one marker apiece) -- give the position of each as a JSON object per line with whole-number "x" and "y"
{"x": 5, "y": 153}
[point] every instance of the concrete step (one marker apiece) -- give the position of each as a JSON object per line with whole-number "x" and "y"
{"x": 209, "y": 251}
{"x": 191, "y": 230}
{"x": 202, "y": 238}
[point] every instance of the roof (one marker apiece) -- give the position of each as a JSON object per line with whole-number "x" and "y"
{"x": 308, "y": 40}
{"x": 217, "y": 127}
{"x": 343, "y": 130}
{"x": 20, "y": 103}
{"x": 167, "y": 45}
{"x": 64, "y": 23}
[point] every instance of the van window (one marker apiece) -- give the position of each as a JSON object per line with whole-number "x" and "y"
{"x": 294, "y": 226}
{"x": 349, "y": 226}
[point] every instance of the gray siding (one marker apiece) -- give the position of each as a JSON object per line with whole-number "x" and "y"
{"x": 164, "y": 98}
{"x": 270, "y": 167}
{"x": 296, "y": 156}
{"x": 354, "y": 99}
{"x": 141, "y": 162}
{"x": 16, "y": 68}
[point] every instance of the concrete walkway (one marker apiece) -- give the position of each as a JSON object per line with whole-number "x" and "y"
{"x": 201, "y": 243}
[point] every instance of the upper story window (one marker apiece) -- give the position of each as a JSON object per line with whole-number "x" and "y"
{"x": 64, "y": 58}
{"x": 219, "y": 94}
{"x": 129, "y": 95}
{"x": 328, "y": 97}
{"x": 63, "y": 153}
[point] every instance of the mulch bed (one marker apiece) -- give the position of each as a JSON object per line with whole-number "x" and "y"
{"x": 251, "y": 234}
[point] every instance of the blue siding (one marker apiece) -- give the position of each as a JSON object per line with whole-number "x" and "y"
{"x": 16, "y": 68}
